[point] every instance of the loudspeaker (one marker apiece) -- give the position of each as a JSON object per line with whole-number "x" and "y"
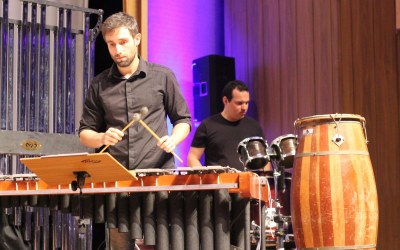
{"x": 210, "y": 74}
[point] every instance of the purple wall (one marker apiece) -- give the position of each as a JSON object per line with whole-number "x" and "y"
{"x": 179, "y": 32}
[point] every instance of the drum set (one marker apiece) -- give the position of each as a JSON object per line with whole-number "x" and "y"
{"x": 255, "y": 155}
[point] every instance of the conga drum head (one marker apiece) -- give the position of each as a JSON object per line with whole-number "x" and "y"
{"x": 330, "y": 118}
{"x": 253, "y": 153}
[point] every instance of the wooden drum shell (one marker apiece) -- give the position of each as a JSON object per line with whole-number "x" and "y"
{"x": 334, "y": 200}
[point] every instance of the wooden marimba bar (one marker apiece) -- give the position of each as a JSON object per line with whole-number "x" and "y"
{"x": 187, "y": 208}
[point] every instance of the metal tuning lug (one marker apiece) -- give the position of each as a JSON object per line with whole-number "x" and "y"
{"x": 338, "y": 139}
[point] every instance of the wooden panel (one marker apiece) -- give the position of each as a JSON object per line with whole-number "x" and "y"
{"x": 255, "y": 59}
{"x": 387, "y": 147}
{"x": 334, "y": 56}
{"x": 288, "y": 54}
{"x": 334, "y": 8}
{"x": 363, "y": 67}
{"x": 363, "y": 56}
{"x": 397, "y": 14}
{"x": 323, "y": 58}
{"x": 346, "y": 84}
{"x": 272, "y": 66}
{"x": 239, "y": 46}
{"x": 305, "y": 59}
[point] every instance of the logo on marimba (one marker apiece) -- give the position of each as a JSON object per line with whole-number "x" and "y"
{"x": 31, "y": 145}
{"x": 90, "y": 161}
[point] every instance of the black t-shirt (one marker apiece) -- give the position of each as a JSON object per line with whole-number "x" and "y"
{"x": 220, "y": 138}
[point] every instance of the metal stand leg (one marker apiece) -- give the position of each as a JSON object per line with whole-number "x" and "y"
{"x": 262, "y": 226}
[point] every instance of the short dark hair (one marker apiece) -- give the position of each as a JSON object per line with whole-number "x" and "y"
{"x": 118, "y": 20}
{"x": 230, "y": 86}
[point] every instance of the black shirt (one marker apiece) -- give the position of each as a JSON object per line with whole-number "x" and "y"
{"x": 220, "y": 138}
{"x": 113, "y": 100}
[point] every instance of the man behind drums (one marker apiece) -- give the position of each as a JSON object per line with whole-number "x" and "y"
{"x": 217, "y": 138}
{"x": 219, "y": 135}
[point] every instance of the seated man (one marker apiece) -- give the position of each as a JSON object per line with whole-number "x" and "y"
{"x": 219, "y": 135}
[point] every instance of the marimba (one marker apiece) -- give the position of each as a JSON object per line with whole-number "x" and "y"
{"x": 185, "y": 208}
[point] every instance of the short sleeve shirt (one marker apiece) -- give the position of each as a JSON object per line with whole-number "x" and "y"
{"x": 220, "y": 138}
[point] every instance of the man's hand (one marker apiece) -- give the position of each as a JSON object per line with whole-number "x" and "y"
{"x": 167, "y": 143}
{"x": 112, "y": 136}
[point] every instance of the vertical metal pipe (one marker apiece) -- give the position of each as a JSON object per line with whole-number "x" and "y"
{"x": 206, "y": 220}
{"x": 37, "y": 215}
{"x": 149, "y": 219}
{"x": 222, "y": 220}
{"x": 72, "y": 113}
{"x": 23, "y": 86}
{"x": 92, "y": 37}
{"x": 262, "y": 224}
{"x": 73, "y": 240}
{"x": 6, "y": 87}
{"x": 4, "y": 64}
{"x": 239, "y": 221}
{"x": 59, "y": 89}
{"x": 89, "y": 234}
{"x": 176, "y": 219}
{"x": 56, "y": 228}
{"x": 99, "y": 208}
{"x": 32, "y": 68}
{"x": 17, "y": 215}
{"x": 70, "y": 76}
{"x": 10, "y": 89}
{"x": 87, "y": 208}
{"x": 247, "y": 242}
{"x": 53, "y": 208}
{"x": 46, "y": 229}
{"x": 192, "y": 238}
{"x": 43, "y": 123}
{"x": 66, "y": 217}
{"x": 86, "y": 53}
{"x": 111, "y": 210}
{"x": 42, "y": 219}
{"x": 92, "y": 59}
{"x": 135, "y": 216}
{"x": 28, "y": 223}
{"x": 123, "y": 212}
{"x": 6, "y": 164}
{"x": 162, "y": 221}
{"x": 10, "y": 78}
{"x": 24, "y": 203}
{"x": 75, "y": 205}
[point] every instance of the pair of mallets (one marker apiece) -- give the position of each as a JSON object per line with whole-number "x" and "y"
{"x": 138, "y": 117}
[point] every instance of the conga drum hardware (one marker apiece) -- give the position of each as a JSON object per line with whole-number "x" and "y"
{"x": 338, "y": 139}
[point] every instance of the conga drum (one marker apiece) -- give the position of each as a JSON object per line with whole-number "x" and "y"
{"x": 334, "y": 203}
